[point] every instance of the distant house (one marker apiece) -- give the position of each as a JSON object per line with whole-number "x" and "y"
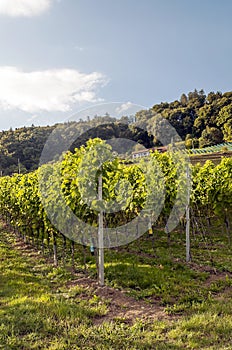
{"x": 145, "y": 152}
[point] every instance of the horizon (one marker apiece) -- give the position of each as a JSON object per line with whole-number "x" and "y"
{"x": 83, "y": 119}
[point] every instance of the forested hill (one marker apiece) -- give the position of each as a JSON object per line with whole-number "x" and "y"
{"x": 200, "y": 120}
{"x": 22, "y": 147}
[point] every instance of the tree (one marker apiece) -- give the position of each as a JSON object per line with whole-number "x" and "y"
{"x": 184, "y": 100}
{"x": 224, "y": 121}
{"x": 210, "y": 137}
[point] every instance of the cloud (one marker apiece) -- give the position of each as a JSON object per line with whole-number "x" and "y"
{"x": 24, "y": 8}
{"x": 124, "y": 107}
{"x": 79, "y": 48}
{"x": 48, "y": 90}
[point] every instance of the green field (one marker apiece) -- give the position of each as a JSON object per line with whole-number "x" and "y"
{"x": 152, "y": 300}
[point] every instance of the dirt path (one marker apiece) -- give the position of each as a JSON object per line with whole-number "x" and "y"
{"x": 121, "y": 306}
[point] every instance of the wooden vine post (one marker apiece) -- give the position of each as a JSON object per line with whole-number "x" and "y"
{"x": 100, "y": 237}
{"x": 188, "y": 255}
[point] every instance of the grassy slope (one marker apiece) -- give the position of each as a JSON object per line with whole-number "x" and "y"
{"x": 39, "y": 311}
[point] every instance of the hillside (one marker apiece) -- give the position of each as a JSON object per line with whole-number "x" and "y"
{"x": 22, "y": 147}
{"x": 200, "y": 121}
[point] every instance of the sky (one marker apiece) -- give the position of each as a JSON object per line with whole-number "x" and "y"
{"x": 61, "y": 56}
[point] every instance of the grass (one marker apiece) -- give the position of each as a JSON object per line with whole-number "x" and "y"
{"x": 38, "y": 310}
{"x": 166, "y": 275}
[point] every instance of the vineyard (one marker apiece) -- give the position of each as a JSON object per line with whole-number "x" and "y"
{"x": 70, "y": 184}
{"x": 175, "y": 305}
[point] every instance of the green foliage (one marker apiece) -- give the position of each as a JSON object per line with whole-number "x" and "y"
{"x": 210, "y": 136}
{"x": 196, "y": 114}
{"x": 24, "y": 145}
{"x": 205, "y": 118}
{"x": 69, "y": 186}
{"x": 212, "y": 189}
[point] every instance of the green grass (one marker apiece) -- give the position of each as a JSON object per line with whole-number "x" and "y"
{"x": 39, "y": 311}
{"x": 166, "y": 275}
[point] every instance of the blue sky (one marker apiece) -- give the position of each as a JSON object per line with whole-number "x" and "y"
{"x": 60, "y": 56}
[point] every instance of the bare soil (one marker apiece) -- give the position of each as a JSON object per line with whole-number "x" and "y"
{"x": 120, "y": 305}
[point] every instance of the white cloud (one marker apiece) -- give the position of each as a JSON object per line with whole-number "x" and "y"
{"x": 124, "y": 107}
{"x": 24, "y": 8}
{"x": 79, "y": 48}
{"x": 48, "y": 90}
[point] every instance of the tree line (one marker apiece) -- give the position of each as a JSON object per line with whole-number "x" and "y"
{"x": 200, "y": 120}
